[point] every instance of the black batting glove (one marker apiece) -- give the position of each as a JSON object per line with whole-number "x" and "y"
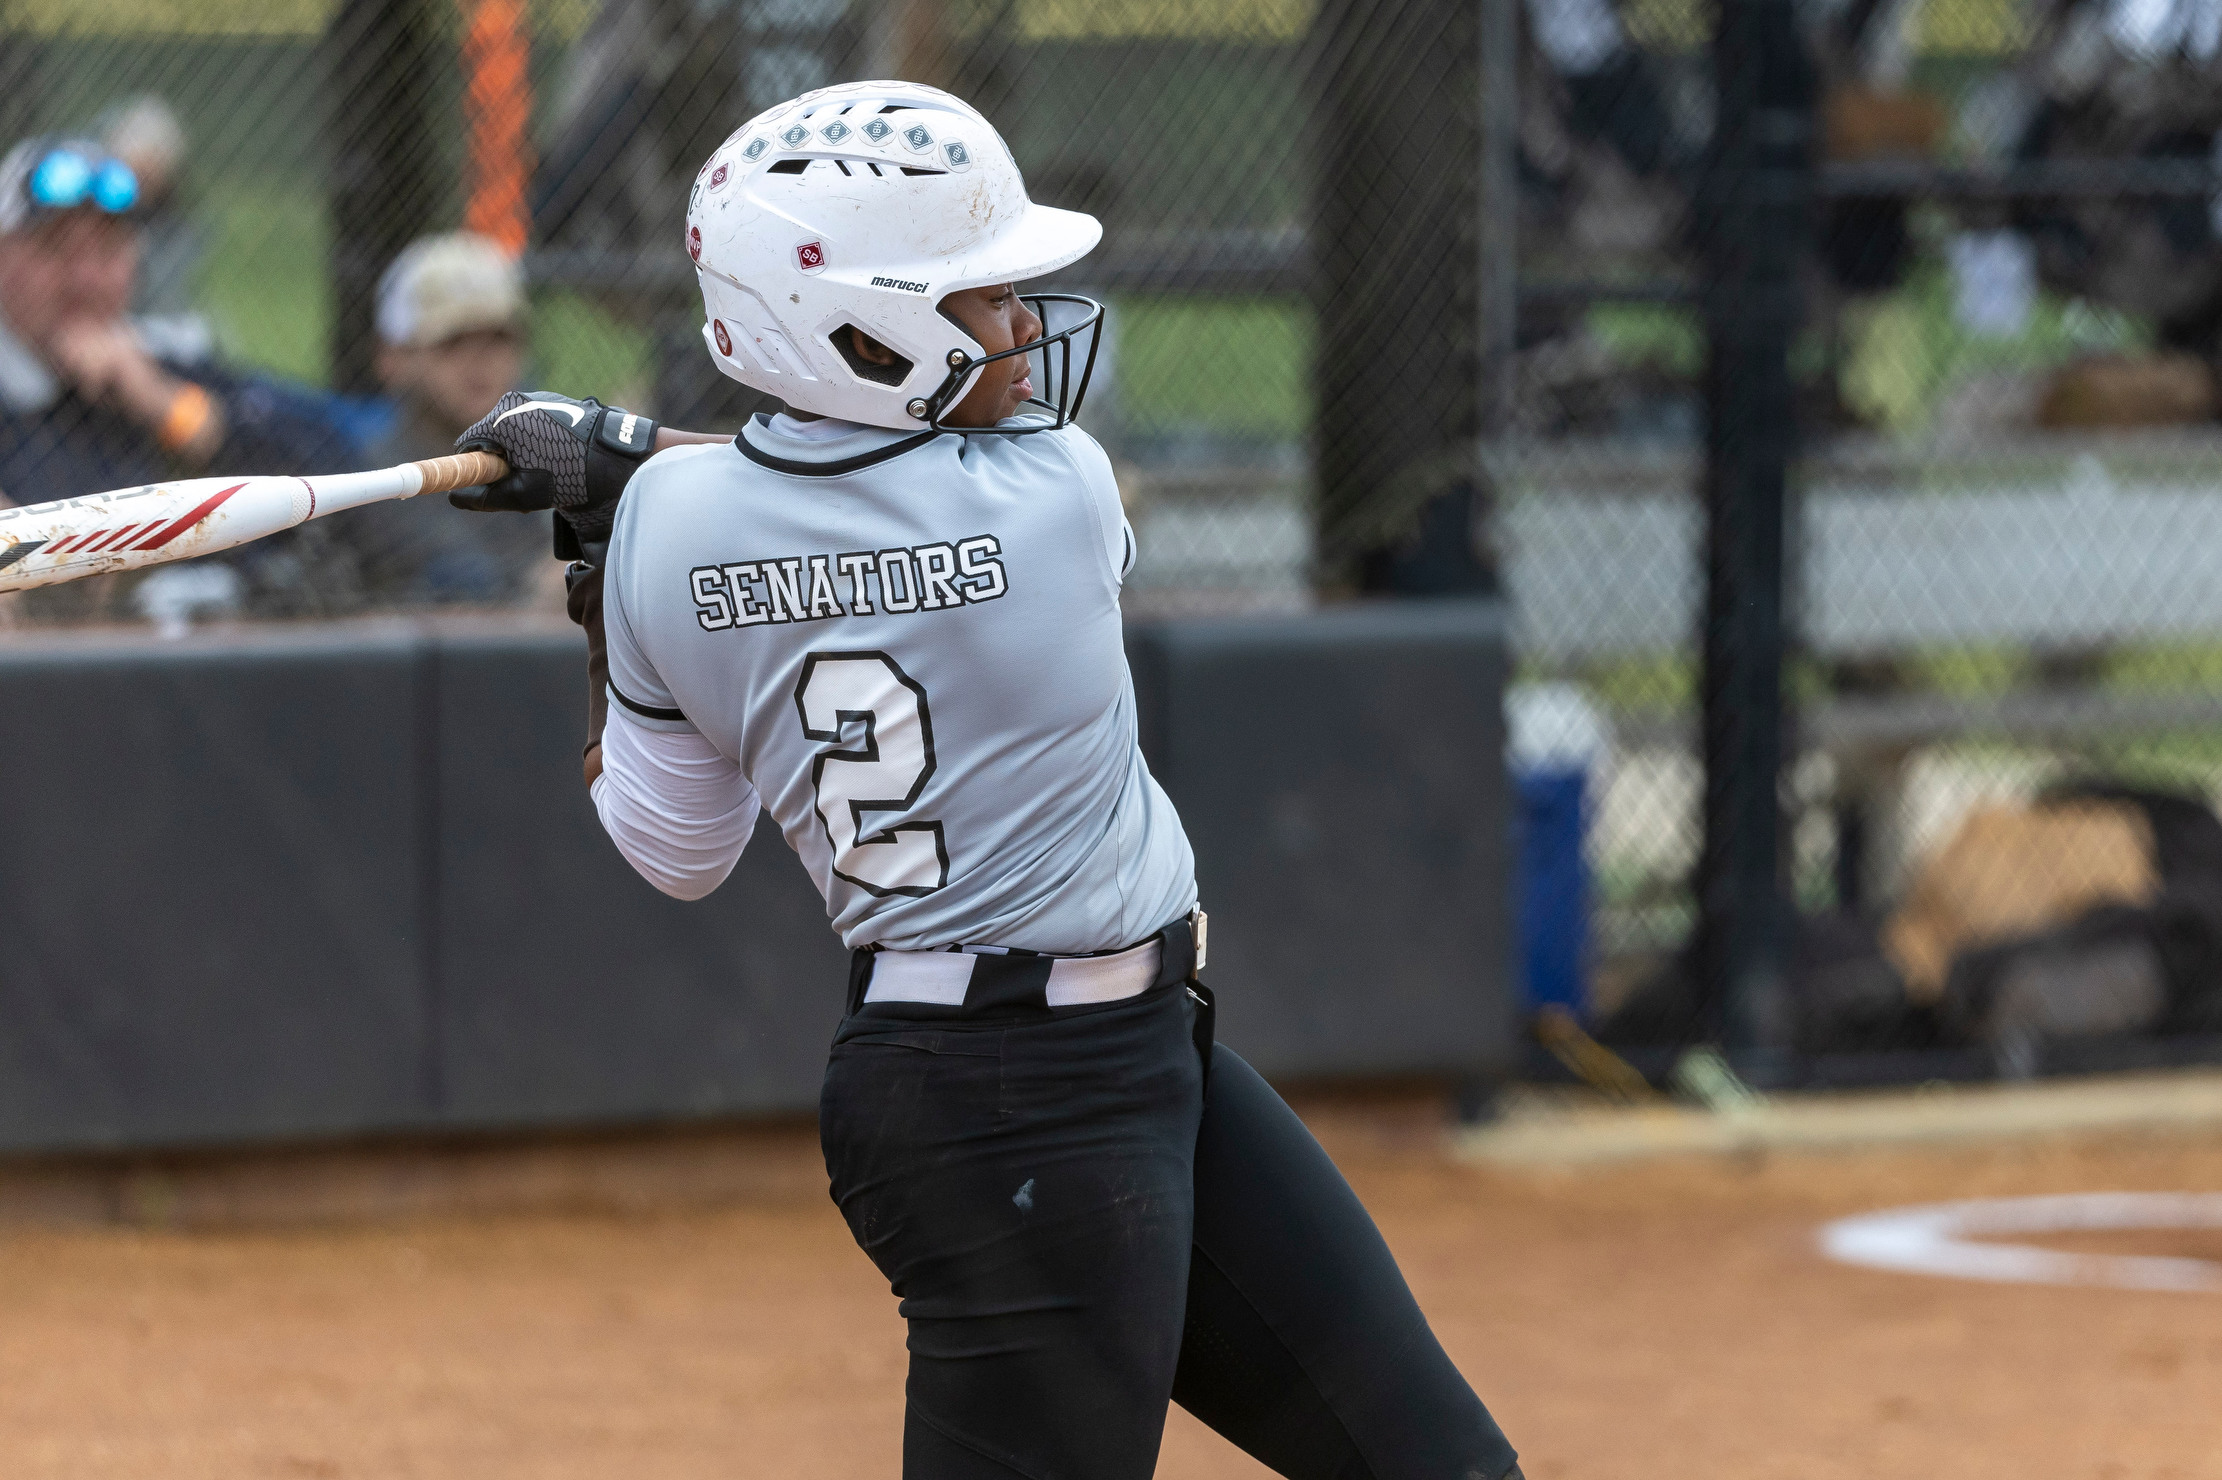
{"x": 572, "y": 456}
{"x": 524, "y": 491}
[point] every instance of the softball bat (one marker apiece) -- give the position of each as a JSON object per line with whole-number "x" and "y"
{"x": 69, "y": 539}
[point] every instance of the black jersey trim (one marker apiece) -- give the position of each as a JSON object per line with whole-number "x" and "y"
{"x": 648, "y": 711}
{"x": 861, "y": 461}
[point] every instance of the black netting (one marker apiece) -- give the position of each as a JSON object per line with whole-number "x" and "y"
{"x": 1894, "y": 325}
{"x": 1945, "y": 273}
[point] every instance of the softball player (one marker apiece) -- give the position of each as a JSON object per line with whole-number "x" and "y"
{"x": 890, "y": 615}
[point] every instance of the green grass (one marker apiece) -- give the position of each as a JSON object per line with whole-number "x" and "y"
{"x": 1650, "y": 684}
{"x": 1664, "y": 336}
{"x": 264, "y": 281}
{"x": 584, "y": 351}
{"x": 1904, "y": 351}
{"x": 1237, "y": 367}
{"x": 264, "y": 278}
{"x": 1666, "y": 683}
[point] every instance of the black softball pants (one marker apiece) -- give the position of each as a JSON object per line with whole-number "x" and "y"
{"x": 1078, "y": 1232}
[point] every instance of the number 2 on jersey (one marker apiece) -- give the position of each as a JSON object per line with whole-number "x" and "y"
{"x": 879, "y": 761}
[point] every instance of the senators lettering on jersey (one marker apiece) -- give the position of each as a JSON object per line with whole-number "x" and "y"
{"x": 805, "y": 588}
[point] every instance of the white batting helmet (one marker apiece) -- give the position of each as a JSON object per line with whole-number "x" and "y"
{"x": 864, "y": 206}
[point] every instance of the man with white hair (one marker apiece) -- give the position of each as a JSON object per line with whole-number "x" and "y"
{"x": 92, "y": 398}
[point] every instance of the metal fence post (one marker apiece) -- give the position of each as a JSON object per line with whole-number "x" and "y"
{"x": 387, "y": 177}
{"x": 1395, "y": 237}
{"x": 1755, "y": 220}
{"x": 1500, "y": 211}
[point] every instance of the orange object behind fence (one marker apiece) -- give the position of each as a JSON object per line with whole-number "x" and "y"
{"x": 497, "y": 55}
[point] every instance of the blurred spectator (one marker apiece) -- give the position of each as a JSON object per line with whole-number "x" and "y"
{"x": 92, "y": 399}
{"x": 451, "y": 332}
{"x": 145, "y": 134}
{"x": 2126, "y": 80}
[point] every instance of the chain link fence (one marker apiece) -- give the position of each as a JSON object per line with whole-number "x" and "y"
{"x": 1345, "y": 244}
{"x": 1251, "y": 161}
{"x": 1997, "y": 840}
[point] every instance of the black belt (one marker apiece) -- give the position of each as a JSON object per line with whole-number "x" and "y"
{"x": 1018, "y": 982}
{"x": 1015, "y": 985}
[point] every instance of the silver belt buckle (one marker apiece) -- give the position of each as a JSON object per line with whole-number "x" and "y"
{"x": 1199, "y": 926}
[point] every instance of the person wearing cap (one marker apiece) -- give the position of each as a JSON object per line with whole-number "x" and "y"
{"x": 92, "y": 399}
{"x": 451, "y": 340}
{"x": 145, "y": 134}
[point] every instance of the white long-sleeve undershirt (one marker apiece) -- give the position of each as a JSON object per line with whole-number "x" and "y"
{"x": 679, "y": 811}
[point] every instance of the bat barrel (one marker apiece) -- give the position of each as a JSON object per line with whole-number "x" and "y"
{"x": 50, "y": 543}
{"x": 46, "y": 544}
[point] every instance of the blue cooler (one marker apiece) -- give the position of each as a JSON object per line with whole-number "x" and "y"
{"x": 1555, "y": 740}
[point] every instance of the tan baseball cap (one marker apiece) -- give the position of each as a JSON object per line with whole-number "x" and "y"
{"x": 442, "y": 286}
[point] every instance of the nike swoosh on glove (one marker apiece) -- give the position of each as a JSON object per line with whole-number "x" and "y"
{"x": 570, "y": 455}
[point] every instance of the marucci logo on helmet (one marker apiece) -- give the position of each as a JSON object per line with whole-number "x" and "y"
{"x": 725, "y": 340}
{"x": 904, "y": 283}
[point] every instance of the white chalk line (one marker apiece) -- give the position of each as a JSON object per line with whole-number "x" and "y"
{"x": 1937, "y": 1239}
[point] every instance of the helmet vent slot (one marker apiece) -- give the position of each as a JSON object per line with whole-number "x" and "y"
{"x": 796, "y": 167}
{"x": 844, "y": 344}
{"x": 845, "y": 166}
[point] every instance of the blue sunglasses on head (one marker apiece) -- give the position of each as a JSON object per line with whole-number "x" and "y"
{"x": 67, "y": 178}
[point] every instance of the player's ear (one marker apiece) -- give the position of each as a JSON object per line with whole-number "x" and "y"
{"x": 868, "y": 349}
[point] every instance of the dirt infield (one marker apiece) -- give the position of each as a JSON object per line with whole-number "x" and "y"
{"x": 1663, "y": 1321}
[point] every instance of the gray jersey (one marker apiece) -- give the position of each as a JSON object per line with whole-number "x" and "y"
{"x": 910, "y": 645}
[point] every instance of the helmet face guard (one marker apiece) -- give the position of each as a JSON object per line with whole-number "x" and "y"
{"x": 1061, "y": 390}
